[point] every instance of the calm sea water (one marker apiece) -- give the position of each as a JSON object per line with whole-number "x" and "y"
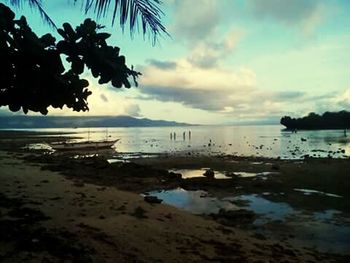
{"x": 267, "y": 141}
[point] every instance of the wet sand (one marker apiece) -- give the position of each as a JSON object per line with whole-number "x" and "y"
{"x": 87, "y": 210}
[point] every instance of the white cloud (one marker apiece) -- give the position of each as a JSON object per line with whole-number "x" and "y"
{"x": 189, "y": 76}
{"x": 210, "y": 53}
{"x": 341, "y": 101}
{"x": 223, "y": 91}
{"x": 103, "y": 101}
{"x": 195, "y": 21}
{"x": 231, "y": 93}
{"x": 132, "y": 110}
{"x": 306, "y": 15}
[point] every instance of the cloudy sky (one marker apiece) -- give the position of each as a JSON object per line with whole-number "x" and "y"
{"x": 228, "y": 60}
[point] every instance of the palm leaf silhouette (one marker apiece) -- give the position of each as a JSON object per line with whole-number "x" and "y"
{"x": 35, "y": 4}
{"x": 135, "y": 13}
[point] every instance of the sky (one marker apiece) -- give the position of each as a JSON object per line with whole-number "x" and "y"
{"x": 226, "y": 61}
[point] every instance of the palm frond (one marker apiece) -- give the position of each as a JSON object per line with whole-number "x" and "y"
{"x": 148, "y": 11}
{"x": 35, "y": 4}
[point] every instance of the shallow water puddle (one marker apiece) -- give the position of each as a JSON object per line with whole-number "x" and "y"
{"x": 117, "y": 161}
{"x": 196, "y": 202}
{"x": 310, "y": 192}
{"x": 326, "y": 215}
{"x": 38, "y": 146}
{"x": 250, "y": 174}
{"x": 318, "y": 229}
{"x": 199, "y": 202}
{"x": 267, "y": 209}
{"x": 191, "y": 173}
{"x": 245, "y": 174}
{"x": 136, "y": 155}
{"x": 126, "y": 157}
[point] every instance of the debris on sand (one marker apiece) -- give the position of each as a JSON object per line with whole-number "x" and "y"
{"x": 209, "y": 173}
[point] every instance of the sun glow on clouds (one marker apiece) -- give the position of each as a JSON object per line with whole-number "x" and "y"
{"x": 104, "y": 101}
{"x": 232, "y": 60}
{"x": 188, "y": 76}
{"x": 210, "y": 89}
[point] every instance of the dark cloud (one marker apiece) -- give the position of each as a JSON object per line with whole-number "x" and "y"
{"x": 212, "y": 100}
{"x": 236, "y": 103}
{"x": 288, "y": 95}
{"x": 285, "y": 11}
{"x": 165, "y": 65}
{"x": 104, "y": 98}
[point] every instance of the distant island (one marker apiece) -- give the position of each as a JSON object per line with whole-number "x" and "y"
{"x": 328, "y": 120}
{"x": 25, "y": 122}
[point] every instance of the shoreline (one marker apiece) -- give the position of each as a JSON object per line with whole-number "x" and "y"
{"x": 100, "y": 205}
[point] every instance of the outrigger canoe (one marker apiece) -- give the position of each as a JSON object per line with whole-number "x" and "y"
{"x": 86, "y": 145}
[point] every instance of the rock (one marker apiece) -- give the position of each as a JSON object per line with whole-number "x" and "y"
{"x": 78, "y": 184}
{"x": 203, "y": 195}
{"x": 209, "y": 173}
{"x": 174, "y": 176}
{"x": 275, "y": 167}
{"x": 235, "y": 217}
{"x": 139, "y": 213}
{"x": 152, "y": 199}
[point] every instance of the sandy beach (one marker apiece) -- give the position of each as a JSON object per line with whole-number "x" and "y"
{"x": 61, "y": 209}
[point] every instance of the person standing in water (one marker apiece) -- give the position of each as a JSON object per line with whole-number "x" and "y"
{"x": 184, "y": 136}
{"x": 171, "y": 136}
{"x": 175, "y": 136}
{"x": 189, "y": 135}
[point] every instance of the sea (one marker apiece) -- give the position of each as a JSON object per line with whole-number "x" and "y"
{"x": 270, "y": 141}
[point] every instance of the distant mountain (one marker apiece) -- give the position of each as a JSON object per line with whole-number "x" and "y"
{"x": 328, "y": 120}
{"x": 24, "y": 121}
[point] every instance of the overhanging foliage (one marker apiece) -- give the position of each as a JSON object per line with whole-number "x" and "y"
{"x": 32, "y": 74}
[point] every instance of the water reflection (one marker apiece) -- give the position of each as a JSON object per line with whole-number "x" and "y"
{"x": 310, "y": 192}
{"x": 262, "y": 175}
{"x": 85, "y": 153}
{"x": 324, "y": 230}
{"x": 196, "y": 202}
{"x": 267, "y": 209}
{"x": 267, "y": 141}
{"x": 192, "y": 173}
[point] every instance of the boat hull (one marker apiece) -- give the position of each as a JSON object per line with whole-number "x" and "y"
{"x": 82, "y": 145}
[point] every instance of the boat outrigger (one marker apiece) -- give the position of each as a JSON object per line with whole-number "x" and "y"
{"x": 87, "y": 145}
